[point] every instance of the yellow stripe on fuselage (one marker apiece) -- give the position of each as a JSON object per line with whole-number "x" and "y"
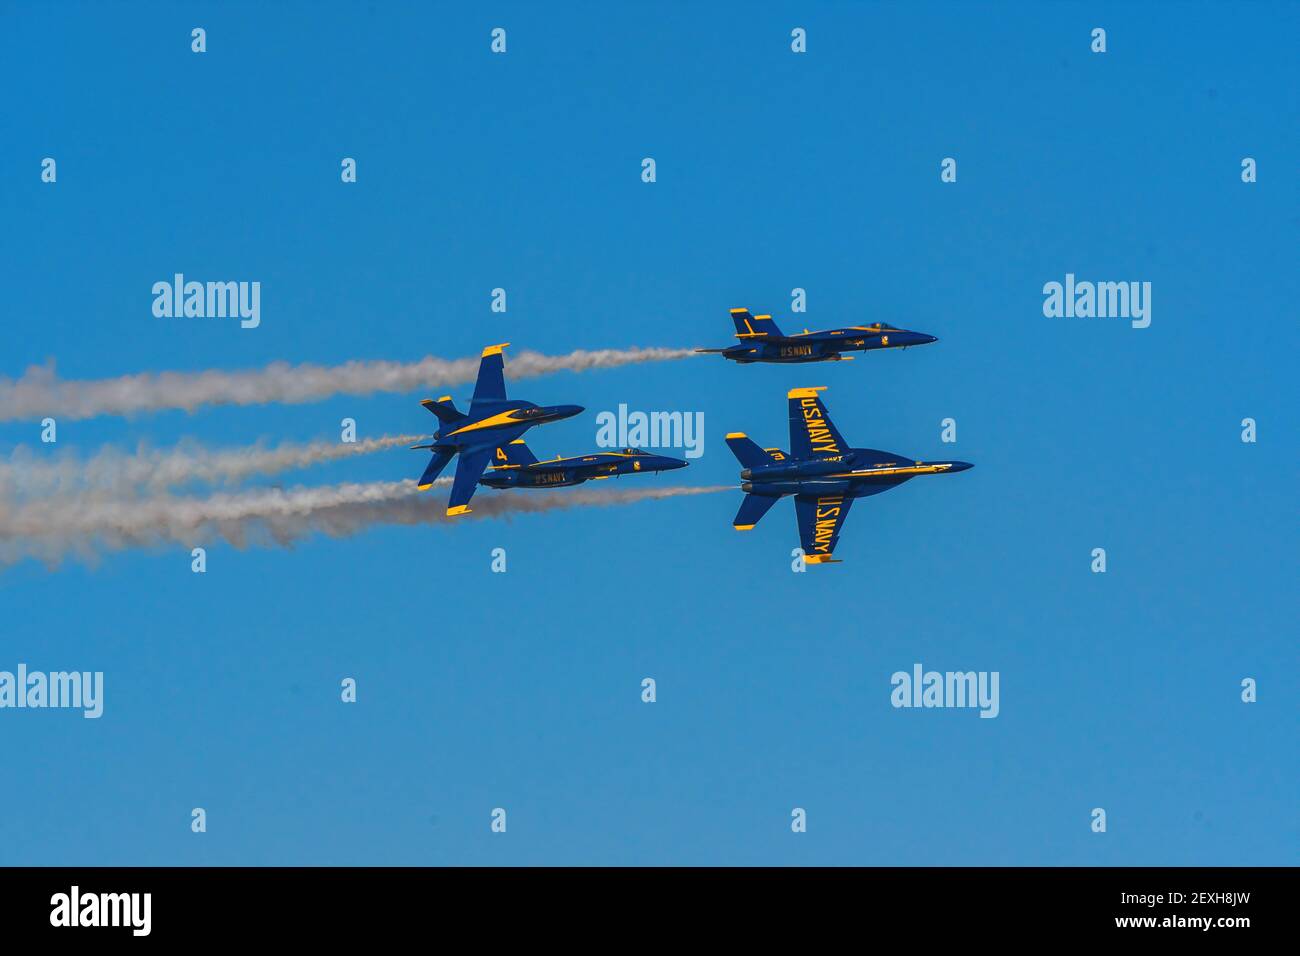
{"x": 581, "y": 459}
{"x": 910, "y": 470}
{"x": 493, "y": 421}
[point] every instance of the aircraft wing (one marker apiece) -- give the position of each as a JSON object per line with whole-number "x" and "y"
{"x": 490, "y": 388}
{"x": 469, "y": 468}
{"x": 812, "y": 434}
{"x": 821, "y": 519}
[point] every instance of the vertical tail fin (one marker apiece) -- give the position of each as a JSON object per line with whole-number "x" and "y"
{"x": 753, "y": 326}
{"x": 444, "y": 408}
{"x": 514, "y": 455}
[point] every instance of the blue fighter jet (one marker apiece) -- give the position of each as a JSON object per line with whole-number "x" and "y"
{"x": 517, "y": 467}
{"x": 762, "y": 341}
{"x": 823, "y": 473}
{"x": 492, "y": 421}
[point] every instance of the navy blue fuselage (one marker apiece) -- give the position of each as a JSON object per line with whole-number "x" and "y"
{"x": 762, "y": 341}
{"x": 822, "y": 472}
{"x": 492, "y": 421}
{"x": 517, "y": 467}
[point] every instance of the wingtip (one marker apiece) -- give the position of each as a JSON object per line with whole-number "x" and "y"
{"x": 495, "y": 349}
{"x": 458, "y": 510}
{"x": 808, "y": 392}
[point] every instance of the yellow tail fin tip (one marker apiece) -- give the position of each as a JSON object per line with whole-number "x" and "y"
{"x": 809, "y": 392}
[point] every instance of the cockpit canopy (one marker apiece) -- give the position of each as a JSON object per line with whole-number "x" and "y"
{"x": 634, "y": 451}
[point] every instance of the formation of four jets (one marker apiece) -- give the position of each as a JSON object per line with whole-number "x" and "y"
{"x": 821, "y": 471}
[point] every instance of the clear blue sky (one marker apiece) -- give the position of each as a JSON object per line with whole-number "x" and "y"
{"x": 775, "y": 171}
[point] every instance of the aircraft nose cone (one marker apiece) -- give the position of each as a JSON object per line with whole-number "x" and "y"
{"x": 929, "y": 339}
{"x": 961, "y": 466}
{"x": 567, "y": 411}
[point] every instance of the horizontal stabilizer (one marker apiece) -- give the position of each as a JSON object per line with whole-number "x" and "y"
{"x": 436, "y": 464}
{"x": 747, "y": 451}
{"x": 752, "y": 510}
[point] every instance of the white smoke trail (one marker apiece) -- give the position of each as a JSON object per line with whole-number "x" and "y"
{"x": 92, "y": 523}
{"x": 25, "y": 474}
{"x": 39, "y": 392}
